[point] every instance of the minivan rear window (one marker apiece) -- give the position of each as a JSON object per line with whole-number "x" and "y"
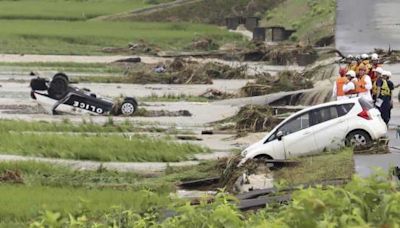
{"x": 365, "y": 104}
{"x": 343, "y": 109}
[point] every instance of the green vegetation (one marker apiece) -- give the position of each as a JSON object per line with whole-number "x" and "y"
{"x": 371, "y": 202}
{"x": 61, "y": 189}
{"x": 90, "y": 37}
{"x": 326, "y": 166}
{"x": 312, "y": 19}
{"x": 135, "y": 148}
{"x": 66, "y": 126}
{"x": 42, "y": 174}
{"x": 57, "y": 140}
{"x": 65, "y": 9}
{"x": 212, "y": 12}
{"x": 64, "y": 67}
{"x": 19, "y": 203}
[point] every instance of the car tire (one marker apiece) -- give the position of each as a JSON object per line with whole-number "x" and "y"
{"x": 58, "y": 86}
{"x": 358, "y": 138}
{"x": 128, "y": 107}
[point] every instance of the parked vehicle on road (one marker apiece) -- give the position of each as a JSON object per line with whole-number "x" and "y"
{"x": 58, "y": 96}
{"x": 319, "y": 128}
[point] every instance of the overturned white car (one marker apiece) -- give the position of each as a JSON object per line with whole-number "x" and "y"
{"x": 322, "y": 127}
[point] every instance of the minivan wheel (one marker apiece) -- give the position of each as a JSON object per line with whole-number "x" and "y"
{"x": 358, "y": 138}
{"x": 263, "y": 160}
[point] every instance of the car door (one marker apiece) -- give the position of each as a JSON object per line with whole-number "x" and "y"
{"x": 329, "y": 127}
{"x": 298, "y": 136}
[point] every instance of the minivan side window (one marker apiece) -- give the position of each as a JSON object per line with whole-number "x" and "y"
{"x": 323, "y": 114}
{"x": 294, "y": 125}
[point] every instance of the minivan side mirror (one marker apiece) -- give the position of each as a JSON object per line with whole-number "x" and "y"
{"x": 279, "y": 135}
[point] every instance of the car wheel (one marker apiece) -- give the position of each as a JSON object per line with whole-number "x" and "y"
{"x": 358, "y": 138}
{"x": 58, "y": 86}
{"x": 128, "y": 108}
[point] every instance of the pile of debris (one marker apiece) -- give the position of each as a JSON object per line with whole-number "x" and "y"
{"x": 183, "y": 71}
{"x": 283, "y": 54}
{"x": 138, "y": 47}
{"x": 11, "y": 176}
{"x": 283, "y": 81}
{"x": 380, "y": 146}
{"x": 254, "y": 118}
{"x": 390, "y": 56}
{"x": 215, "y": 94}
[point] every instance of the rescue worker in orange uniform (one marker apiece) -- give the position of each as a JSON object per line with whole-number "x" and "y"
{"x": 341, "y": 80}
{"x": 365, "y": 61}
{"x": 374, "y": 65}
{"x": 364, "y": 83}
{"x": 350, "y": 87}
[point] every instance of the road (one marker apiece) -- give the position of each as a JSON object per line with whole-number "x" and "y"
{"x": 362, "y": 25}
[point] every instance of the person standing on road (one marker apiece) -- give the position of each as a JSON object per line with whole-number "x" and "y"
{"x": 384, "y": 96}
{"x": 374, "y": 66}
{"x": 364, "y": 84}
{"x": 365, "y": 61}
{"x": 378, "y": 74}
{"x": 350, "y": 88}
{"x": 341, "y": 80}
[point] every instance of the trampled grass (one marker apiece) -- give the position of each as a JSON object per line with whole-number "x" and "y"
{"x": 66, "y": 126}
{"x": 21, "y": 203}
{"x": 90, "y": 37}
{"x": 65, "y": 9}
{"x": 98, "y": 148}
{"x": 326, "y": 166}
{"x": 43, "y": 174}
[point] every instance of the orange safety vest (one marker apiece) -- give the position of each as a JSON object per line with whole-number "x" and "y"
{"x": 360, "y": 87}
{"x": 340, "y": 81}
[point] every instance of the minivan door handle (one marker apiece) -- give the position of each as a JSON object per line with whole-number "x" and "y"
{"x": 307, "y": 133}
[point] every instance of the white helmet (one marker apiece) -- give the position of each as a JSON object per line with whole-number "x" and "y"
{"x": 379, "y": 70}
{"x": 374, "y": 56}
{"x": 351, "y": 73}
{"x": 387, "y": 73}
{"x": 364, "y": 56}
{"x": 350, "y": 57}
{"x": 358, "y": 57}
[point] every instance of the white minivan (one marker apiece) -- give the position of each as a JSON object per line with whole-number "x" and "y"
{"x": 322, "y": 127}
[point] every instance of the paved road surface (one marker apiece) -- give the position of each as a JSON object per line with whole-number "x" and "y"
{"x": 363, "y": 25}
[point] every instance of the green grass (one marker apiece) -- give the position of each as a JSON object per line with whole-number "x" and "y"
{"x": 42, "y": 174}
{"x": 64, "y": 67}
{"x": 312, "y": 19}
{"x": 136, "y": 148}
{"x": 65, "y": 9}
{"x": 84, "y": 127}
{"x": 326, "y": 166}
{"x": 80, "y": 37}
{"x": 20, "y": 203}
{"x": 55, "y": 188}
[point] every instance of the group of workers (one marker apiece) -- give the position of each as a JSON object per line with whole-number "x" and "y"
{"x": 364, "y": 77}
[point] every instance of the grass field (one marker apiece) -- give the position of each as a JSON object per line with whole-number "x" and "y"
{"x": 21, "y": 203}
{"x": 89, "y": 37}
{"x": 312, "y": 19}
{"x": 327, "y": 166}
{"x": 97, "y": 148}
{"x": 55, "y": 188}
{"x": 65, "y": 9}
{"x": 63, "y": 67}
{"x": 66, "y": 126}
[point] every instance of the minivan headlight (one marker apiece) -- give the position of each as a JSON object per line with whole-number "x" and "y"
{"x": 244, "y": 153}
